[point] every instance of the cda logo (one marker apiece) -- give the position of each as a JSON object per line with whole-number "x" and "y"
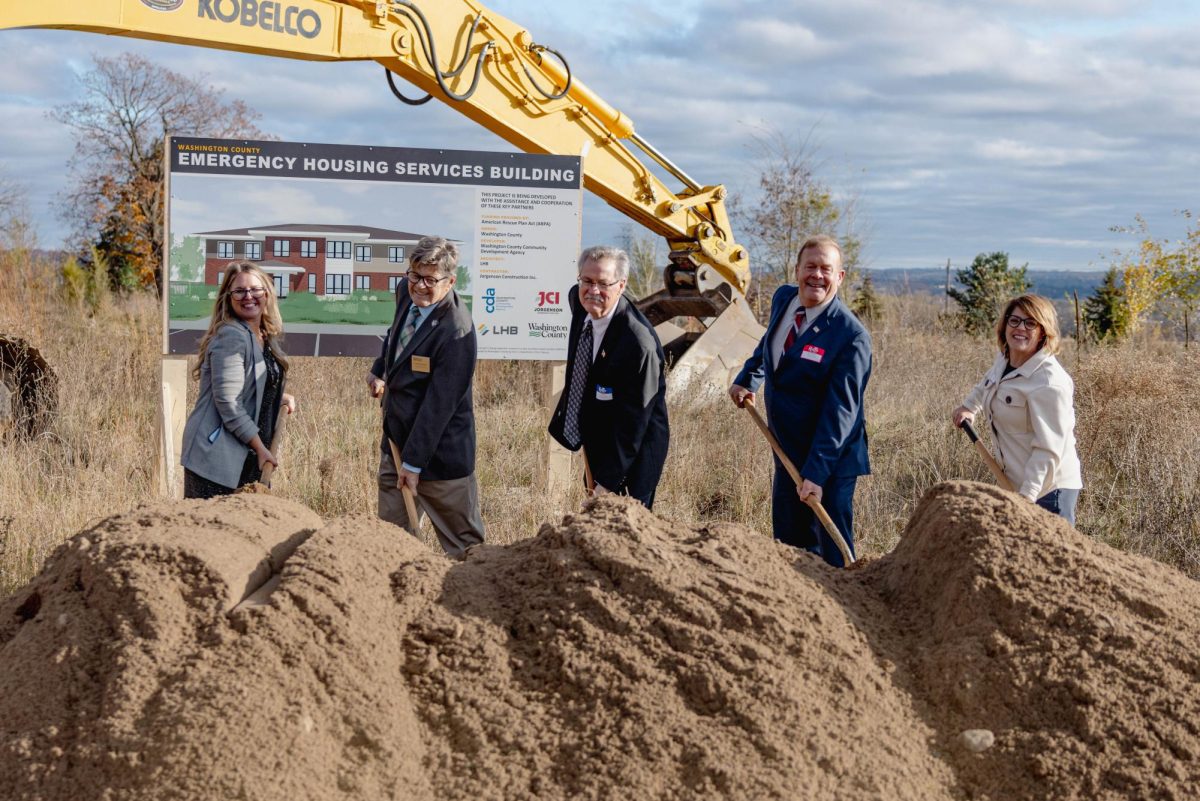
{"x": 489, "y": 299}
{"x": 163, "y": 5}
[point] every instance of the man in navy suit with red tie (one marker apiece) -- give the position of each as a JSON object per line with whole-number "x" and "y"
{"x": 815, "y": 358}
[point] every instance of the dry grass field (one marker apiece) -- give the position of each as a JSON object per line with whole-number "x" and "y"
{"x": 1138, "y": 431}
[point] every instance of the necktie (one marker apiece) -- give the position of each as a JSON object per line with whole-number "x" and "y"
{"x": 410, "y": 326}
{"x": 579, "y": 374}
{"x": 794, "y": 334}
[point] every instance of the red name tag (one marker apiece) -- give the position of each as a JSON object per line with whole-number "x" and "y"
{"x": 812, "y": 353}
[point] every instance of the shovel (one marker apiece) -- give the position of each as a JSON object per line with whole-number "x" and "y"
{"x": 992, "y": 464}
{"x": 813, "y": 503}
{"x": 276, "y": 438}
{"x": 410, "y": 503}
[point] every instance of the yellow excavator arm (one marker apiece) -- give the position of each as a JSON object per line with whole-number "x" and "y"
{"x": 492, "y": 71}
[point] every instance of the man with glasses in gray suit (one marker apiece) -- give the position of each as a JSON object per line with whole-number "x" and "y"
{"x": 425, "y": 375}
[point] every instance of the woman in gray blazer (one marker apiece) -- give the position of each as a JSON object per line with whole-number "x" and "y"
{"x": 241, "y": 371}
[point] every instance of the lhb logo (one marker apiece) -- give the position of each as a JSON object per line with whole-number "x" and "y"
{"x": 489, "y": 299}
{"x": 548, "y": 299}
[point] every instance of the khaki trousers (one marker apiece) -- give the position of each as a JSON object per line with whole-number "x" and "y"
{"x": 452, "y": 507}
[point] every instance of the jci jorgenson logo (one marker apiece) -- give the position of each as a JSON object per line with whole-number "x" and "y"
{"x": 163, "y": 5}
{"x": 548, "y": 299}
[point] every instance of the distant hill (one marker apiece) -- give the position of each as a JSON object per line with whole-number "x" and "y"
{"x": 1054, "y": 284}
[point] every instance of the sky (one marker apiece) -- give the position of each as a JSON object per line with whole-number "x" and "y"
{"x": 959, "y": 127}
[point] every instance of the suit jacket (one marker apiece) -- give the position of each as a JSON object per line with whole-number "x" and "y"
{"x": 225, "y": 417}
{"x": 815, "y": 394}
{"x": 430, "y": 411}
{"x": 623, "y": 419}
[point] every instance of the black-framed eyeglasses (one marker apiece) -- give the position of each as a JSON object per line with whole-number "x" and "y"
{"x": 588, "y": 283}
{"x": 241, "y": 292}
{"x": 1016, "y": 322}
{"x": 430, "y": 281}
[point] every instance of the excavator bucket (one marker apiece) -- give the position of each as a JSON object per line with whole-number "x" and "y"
{"x": 719, "y": 332}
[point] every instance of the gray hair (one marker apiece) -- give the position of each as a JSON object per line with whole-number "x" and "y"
{"x": 437, "y": 251}
{"x": 599, "y": 253}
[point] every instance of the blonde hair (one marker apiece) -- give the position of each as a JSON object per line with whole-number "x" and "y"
{"x": 271, "y": 323}
{"x": 817, "y": 241}
{"x": 1041, "y": 311}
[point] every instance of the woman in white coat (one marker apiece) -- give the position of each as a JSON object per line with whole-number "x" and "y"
{"x": 242, "y": 369}
{"x": 1029, "y": 400}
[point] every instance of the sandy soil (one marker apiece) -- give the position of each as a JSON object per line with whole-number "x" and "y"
{"x": 244, "y": 648}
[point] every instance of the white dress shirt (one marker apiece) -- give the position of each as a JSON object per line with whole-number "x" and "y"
{"x": 785, "y": 325}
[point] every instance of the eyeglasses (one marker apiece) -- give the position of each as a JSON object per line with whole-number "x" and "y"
{"x": 588, "y": 283}
{"x": 1016, "y": 322}
{"x": 240, "y": 293}
{"x": 417, "y": 279}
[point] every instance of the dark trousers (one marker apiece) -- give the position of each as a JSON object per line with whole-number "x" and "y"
{"x": 452, "y": 506}
{"x": 195, "y": 486}
{"x": 795, "y": 523}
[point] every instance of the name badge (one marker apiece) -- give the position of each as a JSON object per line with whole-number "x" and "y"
{"x": 812, "y": 353}
{"x": 420, "y": 364}
{"x": 603, "y": 393}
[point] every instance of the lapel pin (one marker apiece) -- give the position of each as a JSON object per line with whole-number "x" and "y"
{"x": 603, "y": 355}
{"x": 433, "y": 323}
{"x": 816, "y": 330}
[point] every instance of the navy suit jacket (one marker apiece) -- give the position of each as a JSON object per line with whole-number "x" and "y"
{"x": 430, "y": 411}
{"x": 623, "y": 420}
{"x": 815, "y": 398}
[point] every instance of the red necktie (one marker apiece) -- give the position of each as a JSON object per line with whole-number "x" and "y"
{"x": 797, "y": 324}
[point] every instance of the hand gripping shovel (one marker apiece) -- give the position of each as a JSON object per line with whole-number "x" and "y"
{"x": 410, "y": 504}
{"x": 268, "y": 468}
{"x": 992, "y": 464}
{"x": 814, "y": 504}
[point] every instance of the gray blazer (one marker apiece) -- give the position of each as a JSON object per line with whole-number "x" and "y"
{"x": 218, "y": 431}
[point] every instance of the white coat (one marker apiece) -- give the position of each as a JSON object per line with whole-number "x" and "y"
{"x": 1032, "y": 415}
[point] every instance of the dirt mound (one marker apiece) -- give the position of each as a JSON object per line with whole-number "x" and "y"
{"x": 614, "y": 655}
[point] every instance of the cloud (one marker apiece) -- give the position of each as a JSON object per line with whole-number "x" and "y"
{"x": 968, "y": 124}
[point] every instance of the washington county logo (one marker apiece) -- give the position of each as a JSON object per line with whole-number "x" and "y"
{"x": 163, "y": 5}
{"x": 547, "y": 331}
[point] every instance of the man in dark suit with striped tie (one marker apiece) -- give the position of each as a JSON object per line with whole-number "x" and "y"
{"x": 815, "y": 359}
{"x": 426, "y": 374}
{"x": 614, "y": 405}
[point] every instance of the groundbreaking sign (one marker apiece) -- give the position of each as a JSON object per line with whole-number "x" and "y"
{"x": 333, "y": 226}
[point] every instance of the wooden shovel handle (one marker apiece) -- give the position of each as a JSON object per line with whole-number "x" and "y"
{"x": 993, "y": 465}
{"x": 276, "y": 438}
{"x": 410, "y": 503}
{"x": 814, "y": 504}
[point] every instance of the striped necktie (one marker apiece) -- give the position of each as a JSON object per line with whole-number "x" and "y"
{"x": 410, "y": 326}
{"x": 794, "y": 334}
{"x": 579, "y": 374}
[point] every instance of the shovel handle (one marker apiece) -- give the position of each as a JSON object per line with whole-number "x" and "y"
{"x": 819, "y": 510}
{"x": 410, "y": 503}
{"x": 276, "y": 437}
{"x": 588, "y": 478}
{"x": 994, "y": 466}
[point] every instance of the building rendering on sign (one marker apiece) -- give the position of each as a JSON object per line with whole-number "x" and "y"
{"x": 326, "y": 260}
